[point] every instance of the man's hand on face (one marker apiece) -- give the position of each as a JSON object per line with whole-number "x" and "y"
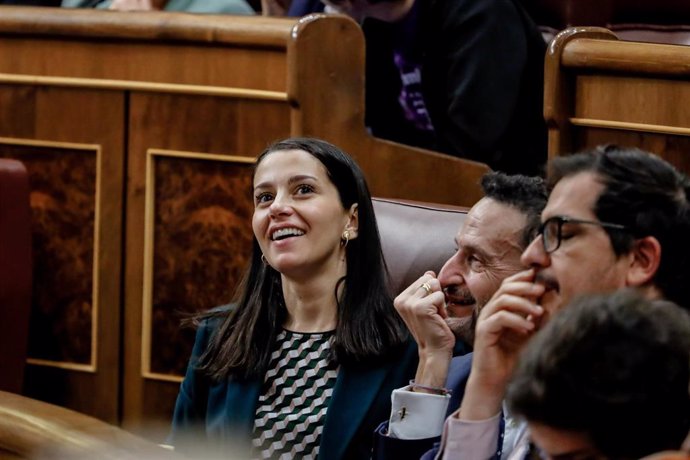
{"x": 422, "y": 307}
{"x": 504, "y": 325}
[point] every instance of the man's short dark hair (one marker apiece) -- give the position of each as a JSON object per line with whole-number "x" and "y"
{"x": 615, "y": 368}
{"x": 648, "y": 196}
{"x": 527, "y": 194}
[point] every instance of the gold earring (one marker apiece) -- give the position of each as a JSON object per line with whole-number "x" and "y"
{"x": 345, "y": 238}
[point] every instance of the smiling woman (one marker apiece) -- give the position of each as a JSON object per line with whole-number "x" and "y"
{"x": 303, "y": 364}
{"x": 299, "y": 220}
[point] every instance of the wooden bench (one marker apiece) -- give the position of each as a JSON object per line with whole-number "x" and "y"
{"x": 139, "y": 131}
{"x": 602, "y": 90}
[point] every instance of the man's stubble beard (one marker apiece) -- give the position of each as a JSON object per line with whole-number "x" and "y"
{"x": 463, "y": 327}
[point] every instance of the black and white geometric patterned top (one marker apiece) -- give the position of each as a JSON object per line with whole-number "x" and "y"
{"x": 294, "y": 397}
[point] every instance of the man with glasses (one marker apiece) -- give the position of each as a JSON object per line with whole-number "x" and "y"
{"x": 615, "y": 218}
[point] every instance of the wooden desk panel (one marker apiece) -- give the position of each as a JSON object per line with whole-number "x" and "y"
{"x": 599, "y": 90}
{"x": 71, "y": 142}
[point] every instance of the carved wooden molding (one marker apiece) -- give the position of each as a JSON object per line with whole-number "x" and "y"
{"x": 72, "y": 82}
{"x": 627, "y": 126}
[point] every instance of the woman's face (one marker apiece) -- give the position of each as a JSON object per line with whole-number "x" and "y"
{"x": 298, "y": 217}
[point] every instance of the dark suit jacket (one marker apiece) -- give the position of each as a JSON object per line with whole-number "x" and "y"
{"x": 219, "y": 416}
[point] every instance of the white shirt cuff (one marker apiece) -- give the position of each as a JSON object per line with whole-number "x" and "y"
{"x": 416, "y": 415}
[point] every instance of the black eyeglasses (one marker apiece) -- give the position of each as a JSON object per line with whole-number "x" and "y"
{"x": 551, "y": 230}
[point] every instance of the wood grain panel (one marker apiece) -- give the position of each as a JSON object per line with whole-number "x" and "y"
{"x": 62, "y": 185}
{"x": 201, "y": 239}
{"x": 674, "y": 149}
{"x": 633, "y": 99}
{"x": 54, "y": 120}
{"x": 17, "y": 110}
{"x": 210, "y": 65}
{"x": 207, "y": 124}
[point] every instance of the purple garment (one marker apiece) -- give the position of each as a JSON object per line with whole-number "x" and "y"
{"x": 411, "y": 98}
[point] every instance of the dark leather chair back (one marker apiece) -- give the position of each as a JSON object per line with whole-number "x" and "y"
{"x": 655, "y": 21}
{"x": 416, "y": 237}
{"x": 15, "y": 273}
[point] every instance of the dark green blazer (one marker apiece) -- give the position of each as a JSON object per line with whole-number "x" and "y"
{"x": 217, "y": 418}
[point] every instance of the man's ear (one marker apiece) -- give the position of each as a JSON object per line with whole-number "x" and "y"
{"x": 646, "y": 257}
{"x": 353, "y": 221}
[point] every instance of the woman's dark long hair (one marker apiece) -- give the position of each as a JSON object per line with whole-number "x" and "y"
{"x": 367, "y": 329}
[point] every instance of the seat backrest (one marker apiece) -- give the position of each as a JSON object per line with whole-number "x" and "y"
{"x": 654, "y": 21}
{"x": 601, "y": 90}
{"x": 15, "y": 273}
{"x": 568, "y": 13}
{"x": 416, "y": 237}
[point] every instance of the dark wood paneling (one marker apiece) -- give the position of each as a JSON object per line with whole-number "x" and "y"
{"x": 146, "y": 61}
{"x": 202, "y": 234}
{"x": 63, "y": 205}
{"x": 57, "y": 132}
{"x": 205, "y": 124}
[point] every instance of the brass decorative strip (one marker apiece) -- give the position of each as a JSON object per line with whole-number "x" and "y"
{"x": 201, "y": 156}
{"x": 163, "y": 377}
{"x": 74, "y": 82}
{"x": 91, "y": 368}
{"x": 90, "y": 148}
{"x": 55, "y": 144}
{"x": 627, "y": 126}
{"x": 149, "y": 216}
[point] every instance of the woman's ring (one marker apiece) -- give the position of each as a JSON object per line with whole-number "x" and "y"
{"x": 426, "y": 287}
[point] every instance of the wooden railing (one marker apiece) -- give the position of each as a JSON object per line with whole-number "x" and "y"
{"x": 600, "y": 90}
